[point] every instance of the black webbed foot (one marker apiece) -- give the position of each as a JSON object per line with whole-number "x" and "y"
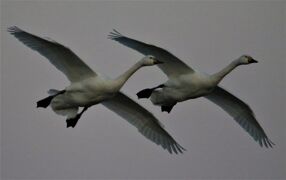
{"x": 145, "y": 93}
{"x": 167, "y": 108}
{"x": 45, "y": 102}
{"x": 73, "y": 121}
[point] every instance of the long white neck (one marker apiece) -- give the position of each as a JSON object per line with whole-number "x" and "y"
{"x": 121, "y": 80}
{"x": 221, "y": 74}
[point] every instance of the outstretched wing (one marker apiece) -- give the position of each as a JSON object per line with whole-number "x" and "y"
{"x": 60, "y": 56}
{"x": 144, "y": 121}
{"x": 172, "y": 66}
{"x": 241, "y": 113}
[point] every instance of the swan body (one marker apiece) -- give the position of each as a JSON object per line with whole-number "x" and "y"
{"x": 88, "y": 92}
{"x": 95, "y": 89}
{"x": 183, "y": 87}
{"x": 186, "y": 83}
{"x": 87, "y": 88}
{"x": 193, "y": 84}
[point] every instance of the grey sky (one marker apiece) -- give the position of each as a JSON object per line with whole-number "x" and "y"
{"x": 35, "y": 143}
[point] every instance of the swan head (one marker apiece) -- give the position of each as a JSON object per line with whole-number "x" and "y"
{"x": 150, "y": 60}
{"x": 246, "y": 59}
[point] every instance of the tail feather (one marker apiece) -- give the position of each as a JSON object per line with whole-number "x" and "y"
{"x": 69, "y": 113}
{"x": 53, "y": 92}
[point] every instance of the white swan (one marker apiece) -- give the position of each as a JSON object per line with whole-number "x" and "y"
{"x": 88, "y": 88}
{"x": 186, "y": 83}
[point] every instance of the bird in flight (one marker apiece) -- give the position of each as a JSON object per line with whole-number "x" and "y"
{"x": 87, "y": 88}
{"x": 186, "y": 83}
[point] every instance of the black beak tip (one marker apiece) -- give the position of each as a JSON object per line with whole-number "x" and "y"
{"x": 159, "y": 62}
{"x": 253, "y": 61}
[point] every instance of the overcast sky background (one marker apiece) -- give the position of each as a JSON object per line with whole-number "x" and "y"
{"x": 36, "y": 144}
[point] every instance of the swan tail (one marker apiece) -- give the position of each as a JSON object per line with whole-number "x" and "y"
{"x": 60, "y": 108}
{"x": 53, "y": 92}
{"x": 70, "y": 113}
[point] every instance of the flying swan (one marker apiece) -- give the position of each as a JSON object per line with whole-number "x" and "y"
{"x": 88, "y": 88}
{"x": 186, "y": 83}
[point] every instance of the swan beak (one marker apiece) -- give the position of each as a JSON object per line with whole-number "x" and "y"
{"x": 158, "y": 62}
{"x": 253, "y": 61}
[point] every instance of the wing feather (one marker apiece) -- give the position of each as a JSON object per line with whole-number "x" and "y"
{"x": 60, "y": 56}
{"x": 143, "y": 120}
{"x": 172, "y": 65}
{"x": 241, "y": 113}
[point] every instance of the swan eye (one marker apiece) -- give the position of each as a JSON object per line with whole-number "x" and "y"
{"x": 248, "y": 58}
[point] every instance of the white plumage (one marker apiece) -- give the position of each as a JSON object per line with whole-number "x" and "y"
{"x": 186, "y": 83}
{"x": 87, "y": 88}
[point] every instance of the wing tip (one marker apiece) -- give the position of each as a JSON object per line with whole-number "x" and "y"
{"x": 266, "y": 142}
{"x": 176, "y": 148}
{"x": 180, "y": 148}
{"x": 113, "y": 35}
{"x": 269, "y": 143}
{"x": 14, "y": 29}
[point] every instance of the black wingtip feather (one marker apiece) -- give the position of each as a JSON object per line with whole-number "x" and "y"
{"x": 113, "y": 35}
{"x": 174, "y": 148}
{"x": 265, "y": 142}
{"x": 117, "y": 31}
{"x": 270, "y": 143}
{"x": 14, "y": 29}
{"x": 177, "y": 148}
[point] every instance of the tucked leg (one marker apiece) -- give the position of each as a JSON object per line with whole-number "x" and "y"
{"x": 47, "y": 101}
{"x": 146, "y": 93}
{"x": 73, "y": 121}
{"x": 167, "y": 108}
